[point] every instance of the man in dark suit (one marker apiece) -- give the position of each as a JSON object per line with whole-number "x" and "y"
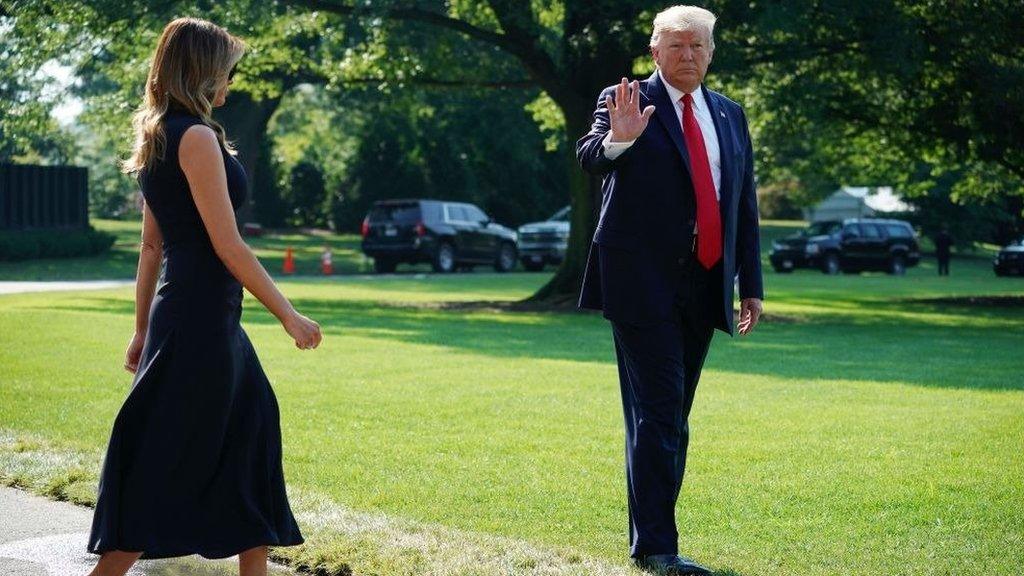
{"x": 678, "y": 224}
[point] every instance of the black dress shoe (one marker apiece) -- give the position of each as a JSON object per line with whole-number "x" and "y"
{"x": 671, "y": 565}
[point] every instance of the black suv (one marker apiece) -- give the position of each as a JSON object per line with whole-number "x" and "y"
{"x": 852, "y": 245}
{"x": 448, "y": 235}
{"x": 544, "y": 242}
{"x": 1010, "y": 259}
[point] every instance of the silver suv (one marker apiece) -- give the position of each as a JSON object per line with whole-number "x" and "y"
{"x": 542, "y": 243}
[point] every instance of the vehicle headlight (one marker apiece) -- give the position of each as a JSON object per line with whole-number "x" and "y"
{"x": 812, "y": 249}
{"x": 776, "y": 245}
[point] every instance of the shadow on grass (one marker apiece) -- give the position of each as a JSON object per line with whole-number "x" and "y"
{"x": 926, "y": 348}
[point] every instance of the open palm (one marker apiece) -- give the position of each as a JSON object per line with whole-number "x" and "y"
{"x": 628, "y": 123}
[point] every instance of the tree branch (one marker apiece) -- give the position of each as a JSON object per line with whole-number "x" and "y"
{"x": 442, "y": 83}
{"x": 292, "y": 79}
{"x": 518, "y": 43}
{"x": 1014, "y": 169}
{"x": 789, "y": 52}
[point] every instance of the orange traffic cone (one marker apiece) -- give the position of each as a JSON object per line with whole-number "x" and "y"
{"x": 289, "y": 262}
{"x": 326, "y": 265}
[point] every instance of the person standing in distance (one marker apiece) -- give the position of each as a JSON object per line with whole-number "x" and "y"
{"x": 943, "y": 250}
{"x": 194, "y": 460}
{"x": 678, "y": 224}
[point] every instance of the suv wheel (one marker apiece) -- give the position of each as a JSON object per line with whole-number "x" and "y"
{"x": 897, "y": 266}
{"x": 384, "y": 266}
{"x": 506, "y": 259}
{"x": 444, "y": 258}
{"x": 830, "y": 265}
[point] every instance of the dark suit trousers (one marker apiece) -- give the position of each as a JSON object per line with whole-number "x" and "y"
{"x": 659, "y": 366}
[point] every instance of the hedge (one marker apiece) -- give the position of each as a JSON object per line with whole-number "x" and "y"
{"x": 28, "y": 245}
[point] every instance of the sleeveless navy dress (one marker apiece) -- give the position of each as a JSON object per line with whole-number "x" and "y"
{"x": 194, "y": 460}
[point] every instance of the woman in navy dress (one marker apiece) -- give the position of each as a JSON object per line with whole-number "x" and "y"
{"x": 194, "y": 460}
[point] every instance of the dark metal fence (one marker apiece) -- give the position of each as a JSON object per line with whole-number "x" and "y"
{"x": 43, "y": 197}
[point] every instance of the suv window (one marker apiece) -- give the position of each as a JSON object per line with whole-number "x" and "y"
{"x": 432, "y": 211}
{"x": 851, "y": 230}
{"x": 821, "y": 229}
{"x": 561, "y": 216}
{"x": 397, "y": 213}
{"x": 870, "y": 231}
{"x": 475, "y": 214}
{"x": 455, "y": 213}
{"x": 898, "y": 231}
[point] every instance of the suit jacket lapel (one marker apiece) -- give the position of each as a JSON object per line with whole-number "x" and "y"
{"x": 726, "y": 147}
{"x": 664, "y": 109}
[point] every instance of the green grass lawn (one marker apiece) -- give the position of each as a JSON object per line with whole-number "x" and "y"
{"x": 862, "y": 429}
{"x": 121, "y": 260}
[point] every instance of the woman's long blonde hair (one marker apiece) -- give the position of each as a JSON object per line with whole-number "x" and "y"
{"x": 193, "y": 61}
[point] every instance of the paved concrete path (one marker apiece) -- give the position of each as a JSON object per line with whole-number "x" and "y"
{"x": 20, "y": 287}
{"x": 40, "y": 537}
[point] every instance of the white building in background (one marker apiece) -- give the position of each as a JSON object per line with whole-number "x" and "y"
{"x": 856, "y": 202}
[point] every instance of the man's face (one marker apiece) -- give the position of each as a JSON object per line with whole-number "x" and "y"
{"x": 683, "y": 58}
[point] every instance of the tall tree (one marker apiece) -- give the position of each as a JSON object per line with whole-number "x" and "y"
{"x": 28, "y": 132}
{"x": 570, "y": 50}
{"x": 949, "y": 72}
{"x": 835, "y": 90}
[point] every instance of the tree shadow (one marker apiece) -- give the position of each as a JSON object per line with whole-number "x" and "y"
{"x": 929, "y": 345}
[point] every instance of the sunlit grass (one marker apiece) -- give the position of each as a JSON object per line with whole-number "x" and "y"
{"x": 859, "y": 430}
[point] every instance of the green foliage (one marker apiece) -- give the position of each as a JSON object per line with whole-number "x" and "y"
{"x": 306, "y": 196}
{"x": 269, "y": 205}
{"x": 903, "y": 93}
{"x": 777, "y": 201}
{"x": 309, "y": 126}
{"x": 896, "y": 92}
{"x": 993, "y": 220}
{"x": 33, "y": 244}
{"x": 28, "y": 133}
{"x": 476, "y": 147}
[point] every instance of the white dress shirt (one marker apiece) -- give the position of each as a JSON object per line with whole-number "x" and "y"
{"x": 612, "y": 150}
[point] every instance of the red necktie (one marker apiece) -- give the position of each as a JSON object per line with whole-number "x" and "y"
{"x": 709, "y": 219}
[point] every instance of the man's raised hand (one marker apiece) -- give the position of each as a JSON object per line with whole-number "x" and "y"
{"x": 628, "y": 123}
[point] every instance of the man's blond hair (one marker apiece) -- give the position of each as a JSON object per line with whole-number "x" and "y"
{"x": 684, "y": 19}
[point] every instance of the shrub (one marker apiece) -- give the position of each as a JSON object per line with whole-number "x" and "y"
{"x": 31, "y": 244}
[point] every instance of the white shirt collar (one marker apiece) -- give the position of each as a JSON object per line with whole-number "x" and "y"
{"x": 676, "y": 95}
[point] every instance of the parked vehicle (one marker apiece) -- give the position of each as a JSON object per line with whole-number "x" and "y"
{"x": 789, "y": 253}
{"x": 447, "y": 235}
{"x": 850, "y": 246}
{"x": 1010, "y": 259}
{"x": 542, "y": 243}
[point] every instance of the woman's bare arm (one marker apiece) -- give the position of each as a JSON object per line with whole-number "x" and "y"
{"x": 199, "y": 155}
{"x": 150, "y": 255}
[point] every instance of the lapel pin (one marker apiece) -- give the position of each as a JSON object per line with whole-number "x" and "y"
{"x": 722, "y": 113}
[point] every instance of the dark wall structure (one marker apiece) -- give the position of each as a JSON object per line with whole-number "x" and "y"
{"x": 43, "y": 197}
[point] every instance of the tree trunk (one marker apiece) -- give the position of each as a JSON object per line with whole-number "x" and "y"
{"x": 584, "y": 192}
{"x": 245, "y": 121}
